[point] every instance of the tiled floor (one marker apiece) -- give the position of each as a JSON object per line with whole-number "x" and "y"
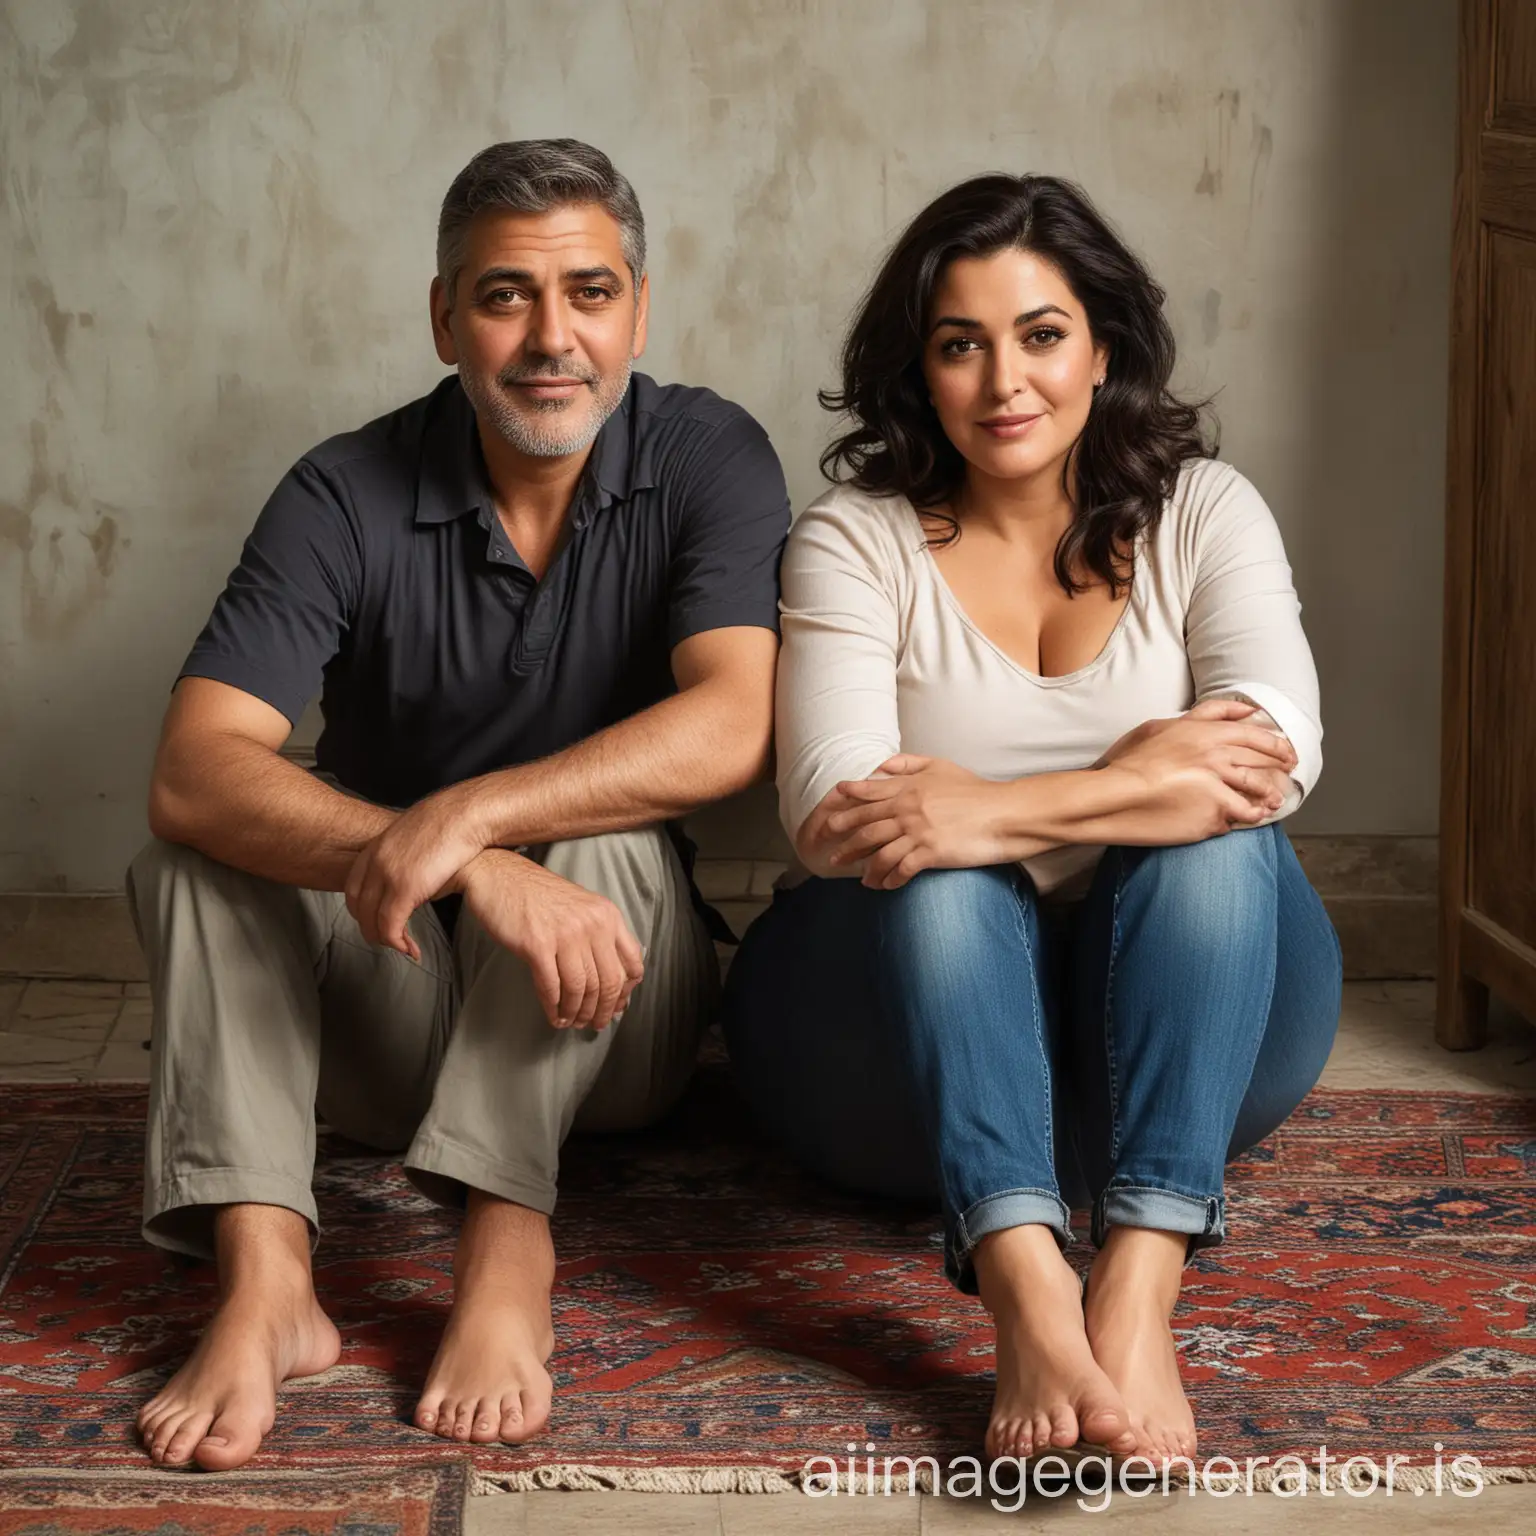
{"x": 83, "y": 1031}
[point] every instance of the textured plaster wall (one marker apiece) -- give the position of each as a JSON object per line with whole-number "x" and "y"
{"x": 216, "y": 238}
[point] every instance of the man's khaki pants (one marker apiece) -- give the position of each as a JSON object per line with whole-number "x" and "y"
{"x": 269, "y": 1005}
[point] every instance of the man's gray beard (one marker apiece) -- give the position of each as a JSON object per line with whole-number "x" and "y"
{"x": 534, "y": 438}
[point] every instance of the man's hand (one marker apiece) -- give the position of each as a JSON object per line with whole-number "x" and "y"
{"x": 419, "y": 856}
{"x": 584, "y": 960}
{"x": 1208, "y": 771}
{"x": 926, "y": 814}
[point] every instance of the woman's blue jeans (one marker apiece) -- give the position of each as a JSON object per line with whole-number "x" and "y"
{"x": 960, "y": 1038}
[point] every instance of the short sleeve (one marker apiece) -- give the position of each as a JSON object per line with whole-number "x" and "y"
{"x": 732, "y": 520}
{"x": 286, "y": 606}
{"x": 1243, "y": 625}
{"x": 836, "y": 715}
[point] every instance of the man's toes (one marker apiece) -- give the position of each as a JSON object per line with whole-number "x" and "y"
{"x": 183, "y": 1439}
{"x": 229, "y": 1443}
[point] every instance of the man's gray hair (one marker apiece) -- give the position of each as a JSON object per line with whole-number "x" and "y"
{"x": 535, "y": 176}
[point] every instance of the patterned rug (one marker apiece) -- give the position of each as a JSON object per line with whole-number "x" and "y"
{"x": 416, "y": 1501}
{"x": 722, "y": 1319}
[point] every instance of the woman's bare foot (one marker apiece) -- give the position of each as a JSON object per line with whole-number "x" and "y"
{"x": 488, "y": 1380}
{"x": 1132, "y": 1291}
{"x": 1051, "y": 1392}
{"x": 268, "y": 1329}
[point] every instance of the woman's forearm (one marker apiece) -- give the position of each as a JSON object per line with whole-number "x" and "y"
{"x": 1081, "y": 805}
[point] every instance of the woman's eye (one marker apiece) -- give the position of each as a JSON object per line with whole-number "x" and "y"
{"x": 957, "y": 346}
{"x": 1045, "y": 336}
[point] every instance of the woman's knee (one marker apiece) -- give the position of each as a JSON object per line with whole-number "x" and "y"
{"x": 1220, "y": 886}
{"x": 941, "y": 913}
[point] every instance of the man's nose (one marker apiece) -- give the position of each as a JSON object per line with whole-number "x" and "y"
{"x": 551, "y": 329}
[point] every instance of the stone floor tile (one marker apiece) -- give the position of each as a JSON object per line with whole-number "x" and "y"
{"x": 496, "y": 1514}
{"x": 797, "y": 1514}
{"x": 633, "y": 1514}
{"x": 1500, "y": 1511}
{"x": 764, "y": 873}
{"x": 133, "y": 1023}
{"x": 34, "y": 1058}
{"x": 11, "y": 989}
{"x": 136, "y": 989}
{"x": 123, "y": 1061}
{"x": 90, "y": 1027}
{"x": 723, "y": 879}
{"x": 59, "y": 999}
{"x": 1386, "y": 1039}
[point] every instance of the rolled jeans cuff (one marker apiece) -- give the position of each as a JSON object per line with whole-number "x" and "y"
{"x": 996, "y": 1213}
{"x": 1203, "y": 1218}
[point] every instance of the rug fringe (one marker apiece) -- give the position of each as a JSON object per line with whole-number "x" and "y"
{"x": 572, "y": 1477}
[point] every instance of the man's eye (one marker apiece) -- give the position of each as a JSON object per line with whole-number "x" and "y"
{"x": 595, "y": 293}
{"x": 501, "y": 296}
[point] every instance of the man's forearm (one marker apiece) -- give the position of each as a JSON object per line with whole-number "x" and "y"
{"x": 244, "y": 805}
{"x": 698, "y": 746}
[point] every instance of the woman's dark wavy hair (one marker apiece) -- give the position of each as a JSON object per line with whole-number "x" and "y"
{"x": 1138, "y": 432}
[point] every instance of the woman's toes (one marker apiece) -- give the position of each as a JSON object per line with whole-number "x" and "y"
{"x": 426, "y": 1411}
{"x": 1106, "y": 1425}
{"x": 180, "y": 1446}
{"x": 1063, "y": 1427}
{"x": 463, "y": 1416}
{"x": 511, "y": 1426}
{"x": 229, "y": 1442}
{"x": 486, "y": 1423}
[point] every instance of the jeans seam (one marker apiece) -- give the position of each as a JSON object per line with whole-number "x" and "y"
{"x": 1112, "y": 1066}
{"x": 1021, "y": 916}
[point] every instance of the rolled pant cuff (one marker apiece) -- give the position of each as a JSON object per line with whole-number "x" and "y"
{"x": 444, "y": 1171}
{"x": 179, "y": 1211}
{"x": 1202, "y": 1217}
{"x": 996, "y": 1213}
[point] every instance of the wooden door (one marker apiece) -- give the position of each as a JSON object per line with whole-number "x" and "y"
{"x": 1488, "y": 761}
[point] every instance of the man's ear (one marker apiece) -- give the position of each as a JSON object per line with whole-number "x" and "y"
{"x": 442, "y": 336}
{"x": 642, "y": 313}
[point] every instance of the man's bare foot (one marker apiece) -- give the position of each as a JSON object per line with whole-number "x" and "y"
{"x": 1051, "y": 1392}
{"x": 1132, "y": 1291}
{"x": 268, "y": 1329}
{"x": 488, "y": 1380}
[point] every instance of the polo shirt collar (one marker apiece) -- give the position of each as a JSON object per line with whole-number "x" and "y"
{"x": 453, "y": 478}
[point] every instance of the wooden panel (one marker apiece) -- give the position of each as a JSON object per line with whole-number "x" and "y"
{"x": 1507, "y": 190}
{"x": 1505, "y": 964}
{"x": 1514, "y": 82}
{"x": 1461, "y": 1007}
{"x": 1503, "y": 805}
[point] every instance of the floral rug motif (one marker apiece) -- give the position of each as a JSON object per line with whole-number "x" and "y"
{"x": 723, "y": 1318}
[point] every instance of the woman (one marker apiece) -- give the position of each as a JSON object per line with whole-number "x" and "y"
{"x": 1043, "y": 699}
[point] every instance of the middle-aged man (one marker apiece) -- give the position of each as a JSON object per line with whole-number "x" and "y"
{"x": 542, "y": 602}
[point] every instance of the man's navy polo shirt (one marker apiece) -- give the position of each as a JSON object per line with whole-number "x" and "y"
{"x": 379, "y": 576}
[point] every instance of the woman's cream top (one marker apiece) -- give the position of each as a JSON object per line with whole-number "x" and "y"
{"x": 879, "y": 657}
